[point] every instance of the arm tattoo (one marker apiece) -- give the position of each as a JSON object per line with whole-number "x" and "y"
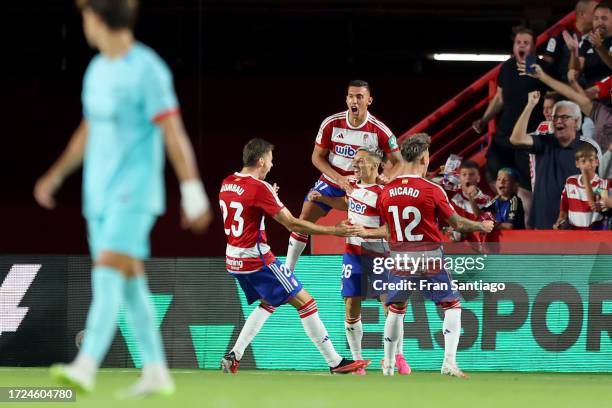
{"x": 461, "y": 224}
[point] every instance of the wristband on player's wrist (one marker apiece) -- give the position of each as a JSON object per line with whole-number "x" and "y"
{"x": 194, "y": 200}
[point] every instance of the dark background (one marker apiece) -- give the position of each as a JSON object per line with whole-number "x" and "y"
{"x": 243, "y": 69}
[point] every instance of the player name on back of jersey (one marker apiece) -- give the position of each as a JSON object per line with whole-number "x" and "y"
{"x": 233, "y": 188}
{"x": 404, "y": 191}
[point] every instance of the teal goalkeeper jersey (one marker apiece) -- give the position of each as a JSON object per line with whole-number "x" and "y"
{"x": 122, "y": 99}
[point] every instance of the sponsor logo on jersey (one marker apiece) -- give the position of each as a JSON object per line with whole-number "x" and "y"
{"x": 236, "y": 264}
{"x": 346, "y": 151}
{"x": 357, "y": 207}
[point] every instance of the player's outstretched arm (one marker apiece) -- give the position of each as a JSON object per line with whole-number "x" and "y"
{"x": 70, "y": 160}
{"x": 464, "y": 225}
{"x": 380, "y": 232}
{"x": 197, "y": 214}
{"x": 339, "y": 203}
{"x": 293, "y": 224}
{"x": 586, "y": 105}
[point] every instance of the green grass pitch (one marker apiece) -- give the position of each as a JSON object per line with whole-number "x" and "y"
{"x": 284, "y": 389}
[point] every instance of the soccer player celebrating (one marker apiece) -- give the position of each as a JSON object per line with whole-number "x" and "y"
{"x": 339, "y": 137}
{"x": 411, "y": 207}
{"x": 245, "y": 199}
{"x": 130, "y": 113}
{"x": 361, "y": 206}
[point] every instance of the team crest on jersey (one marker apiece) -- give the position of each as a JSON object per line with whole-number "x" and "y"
{"x": 366, "y": 138}
{"x": 404, "y": 181}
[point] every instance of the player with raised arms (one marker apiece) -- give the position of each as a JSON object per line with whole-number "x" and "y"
{"x": 245, "y": 199}
{"x": 411, "y": 207}
{"x": 337, "y": 141}
{"x": 361, "y": 206}
{"x": 130, "y": 112}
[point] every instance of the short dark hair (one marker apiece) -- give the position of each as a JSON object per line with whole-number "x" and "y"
{"x": 378, "y": 154}
{"x": 523, "y": 30}
{"x": 585, "y": 150}
{"x": 582, "y": 6}
{"x": 117, "y": 14}
{"x": 469, "y": 164}
{"x": 358, "y": 83}
{"x": 413, "y": 147}
{"x": 554, "y": 96}
{"x": 254, "y": 150}
{"x": 604, "y": 4}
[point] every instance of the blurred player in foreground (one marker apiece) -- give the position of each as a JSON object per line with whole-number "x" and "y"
{"x": 130, "y": 112}
{"x": 411, "y": 206}
{"x": 245, "y": 199}
{"x": 339, "y": 137}
{"x": 361, "y": 206}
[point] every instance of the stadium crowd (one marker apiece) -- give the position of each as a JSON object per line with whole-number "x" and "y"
{"x": 549, "y": 161}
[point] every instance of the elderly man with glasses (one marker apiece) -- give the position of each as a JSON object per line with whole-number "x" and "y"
{"x": 554, "y": 152}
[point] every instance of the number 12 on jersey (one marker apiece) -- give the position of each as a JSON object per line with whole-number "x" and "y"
{"x": 405, "y": 234}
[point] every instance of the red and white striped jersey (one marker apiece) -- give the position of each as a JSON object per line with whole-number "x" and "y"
{"x": 342, "y": 140}
{"x": 411, "y": 206}
{"x": 574, "y": 201}
{"x": 463, "y": 207}
{"x": 362, "y": 210}
{"x": 244, "y": 201}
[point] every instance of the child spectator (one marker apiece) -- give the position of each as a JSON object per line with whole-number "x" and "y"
{"x": 580, "y": 207}
{"x": 507, "y": 207}
{"x": 469, "y": 201}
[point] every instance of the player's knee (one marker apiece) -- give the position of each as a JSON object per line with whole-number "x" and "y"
{"x": 308, "y": 308}
{"x": 301, "y": 299}
{"x": 125, "y": 264}
{"x": 399, "y": 308}
{"x": 353, "y": 309}
{"x": 267, "y": 307}
{"x": 311, "y": 212}
{"x": 453, "y": 304}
